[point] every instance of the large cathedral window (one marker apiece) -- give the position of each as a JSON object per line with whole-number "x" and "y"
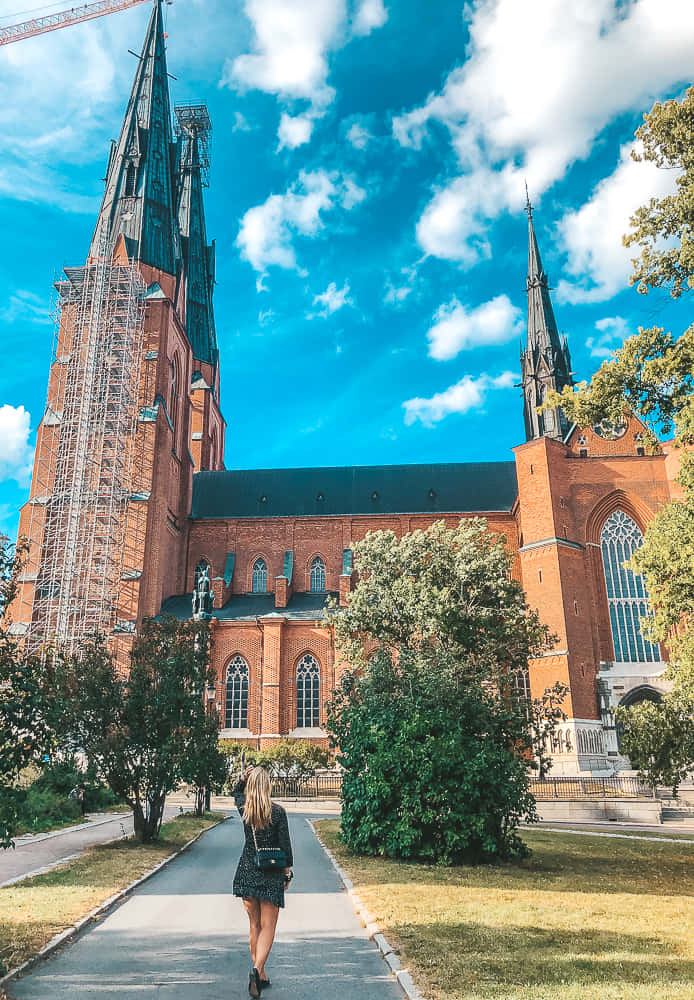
{"x": 626, "y": 591}
{"x": 308, "y": 692}
{"x": 317, "y": 575}
{"x": 236, "y": 715}
{"x": 259, "y": 577}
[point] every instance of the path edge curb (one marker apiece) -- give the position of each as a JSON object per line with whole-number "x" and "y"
{"x": 72, "y": 932}
{"x": 402, "y": 976}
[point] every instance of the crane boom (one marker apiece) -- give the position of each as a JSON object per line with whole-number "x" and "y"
{"x": 63, "y": 18}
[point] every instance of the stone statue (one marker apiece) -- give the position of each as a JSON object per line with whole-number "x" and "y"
{"x": 202, "y": 596}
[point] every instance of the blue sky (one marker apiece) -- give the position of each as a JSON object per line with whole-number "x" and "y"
{"x": 367, "y": 190}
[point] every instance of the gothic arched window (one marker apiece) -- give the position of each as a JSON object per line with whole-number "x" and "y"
{"x": 259, "y": 577}
{"x": 626, "y": 591}
{"x": 308, "y": 692}
{"x": 174, "y": 393}
{"x": 317, "y": 575}
{"x": 236, "y": 715}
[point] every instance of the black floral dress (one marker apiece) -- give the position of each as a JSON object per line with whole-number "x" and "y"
{"x": 248, "y": 880}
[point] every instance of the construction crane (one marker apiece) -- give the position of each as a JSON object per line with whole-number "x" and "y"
{"x": 63, "y": 18}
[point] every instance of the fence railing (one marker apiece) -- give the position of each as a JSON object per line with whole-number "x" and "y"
{"x": 589, "y": 788}
{"x": 329, "y": 786}
{"x": 322, "y": 786}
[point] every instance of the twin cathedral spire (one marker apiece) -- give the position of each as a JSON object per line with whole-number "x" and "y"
{"x": 153, "y": 195}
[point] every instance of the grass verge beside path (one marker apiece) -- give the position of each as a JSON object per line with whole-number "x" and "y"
{"x": 36, "y": 909}
{"x": 584, "y": 917}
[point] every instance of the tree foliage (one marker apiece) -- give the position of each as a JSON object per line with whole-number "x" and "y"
{"x": 287, "y": 758}
{"x": 25, "y": 726}
{"x": 659, "y": 740}
{"x": 652, "y": 375}
{"x": 434, "y": 736}
{"x": 140, "y": 728}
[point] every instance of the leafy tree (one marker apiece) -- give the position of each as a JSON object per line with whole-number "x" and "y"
{"x": 25, "y": 727}
{"x": 204, "y": 765}
{"x": 434, "y": 767}
{"x": 138, "y": 727}
{"x": 659, "y": 740}
{"x": 652, "y": 375}
{"x": 287, "y": 758}
{"x": 434, "y": 737}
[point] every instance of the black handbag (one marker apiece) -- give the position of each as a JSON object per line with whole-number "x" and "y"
{"x": 269, "y": 859}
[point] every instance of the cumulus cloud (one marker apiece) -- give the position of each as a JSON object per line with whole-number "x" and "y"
{"x": 292, "y": 42}
{"x": 612, "y": 332}
{"x": 592, "y": 235}
{"x": 469, "y": 393}
{"x": 370, "y": 14}
{"x": 532, "y": 95}
{"x": 294, "y": 131}
{"x": 332, "y": 299}
{"x": 16, "y": 456}
{"x": 267, "y": 231}
{"x": 358, "y": 135}
{"x": 460, "y": 328}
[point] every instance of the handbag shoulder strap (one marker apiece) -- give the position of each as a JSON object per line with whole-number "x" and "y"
{"x": 254, "y": 839}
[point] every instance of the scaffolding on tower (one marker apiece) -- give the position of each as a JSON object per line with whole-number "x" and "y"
{"x": 83, "y": 486}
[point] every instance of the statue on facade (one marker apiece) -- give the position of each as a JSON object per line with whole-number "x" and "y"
{"x": 202, "y": 596}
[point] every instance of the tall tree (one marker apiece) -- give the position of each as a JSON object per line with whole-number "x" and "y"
{"x": 432, "y": 724}
{"x": 25, "y": 727}
{"x": 140, "y": 727}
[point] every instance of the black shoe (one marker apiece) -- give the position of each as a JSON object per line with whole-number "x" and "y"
{"x": 254, "y": 984}
{"x": 265, "y": 984}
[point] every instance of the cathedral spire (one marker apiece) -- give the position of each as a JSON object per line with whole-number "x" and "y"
{"x": 139, "y": 199}
{"x": 194, "y": 126}
{"x": 546, "y": 363}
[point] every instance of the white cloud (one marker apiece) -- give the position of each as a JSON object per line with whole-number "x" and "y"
{"x": 294, "y": 131}
{"x": 459, "y": 328}
{"x": 16, "y": 456}
{"x": 396, "y": 294}
{"x": 592, "y": 235}
{"x": 332, "y": 299}
{"x": 358, "y": 135}
{"x": 612, "y": 332}
{"x": 268, "y": 230}
{"x": 467, "y": 394}
{"x": 240, "y": 123}
{"x": 535, "y": 89}
{"x": 26, "y": 306}
{"x": 292, "y": 39}
{"x": 370, "y": 14}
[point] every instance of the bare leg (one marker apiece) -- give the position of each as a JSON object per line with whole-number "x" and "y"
{"x": 268, "y": 922}
{"x": 253, "y": 911}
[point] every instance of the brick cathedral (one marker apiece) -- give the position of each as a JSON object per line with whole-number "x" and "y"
{"x": 137, "y": 517}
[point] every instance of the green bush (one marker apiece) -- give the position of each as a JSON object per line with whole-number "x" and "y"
{"x": 432, "y": 768}
{"x": 62, "y": 776}
{"x": 41, "y": 809}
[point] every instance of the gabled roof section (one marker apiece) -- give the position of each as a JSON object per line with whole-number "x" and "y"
{"x": 472, "y": 487}
{"x": 139, "y": 199}
{"x": 193, "y": 126}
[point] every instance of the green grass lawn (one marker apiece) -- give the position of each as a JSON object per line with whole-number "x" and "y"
{"x": 33, "y": 911}
{"x": 593, "y": 918}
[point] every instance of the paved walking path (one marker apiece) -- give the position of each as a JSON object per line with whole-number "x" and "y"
{"x": 35, "y": 853}
{"x": 184, "y": 936}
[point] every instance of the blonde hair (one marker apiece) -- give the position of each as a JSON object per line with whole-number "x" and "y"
{"x": 257, "y": 810}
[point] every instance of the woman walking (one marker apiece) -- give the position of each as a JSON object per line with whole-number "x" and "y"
{"x": 264, "y": 869}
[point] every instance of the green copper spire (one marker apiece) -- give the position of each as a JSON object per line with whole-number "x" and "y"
{"x": 546, "y": 363}
{"x": 193, "y": 127}
{"x": 139, "y": 200}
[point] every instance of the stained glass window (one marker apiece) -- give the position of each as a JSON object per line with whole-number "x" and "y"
{"x": 236, "y": 715}
{"x": 259, "y": 577}
{"x": 317, "y": 575}
{"x": 308, "y": 692}
{"x": 626, "y": 591}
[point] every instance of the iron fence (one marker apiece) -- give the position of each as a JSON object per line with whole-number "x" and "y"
{"x": 321, "y": 786}
{"x": 589, "y": 788}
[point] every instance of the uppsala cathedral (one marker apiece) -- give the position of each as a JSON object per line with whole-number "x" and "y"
{"x": 261, "y": 550}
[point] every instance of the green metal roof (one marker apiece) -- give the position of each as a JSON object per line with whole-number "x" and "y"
{"x": 248, "y": 607}
{"x": 466, "y": 487}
